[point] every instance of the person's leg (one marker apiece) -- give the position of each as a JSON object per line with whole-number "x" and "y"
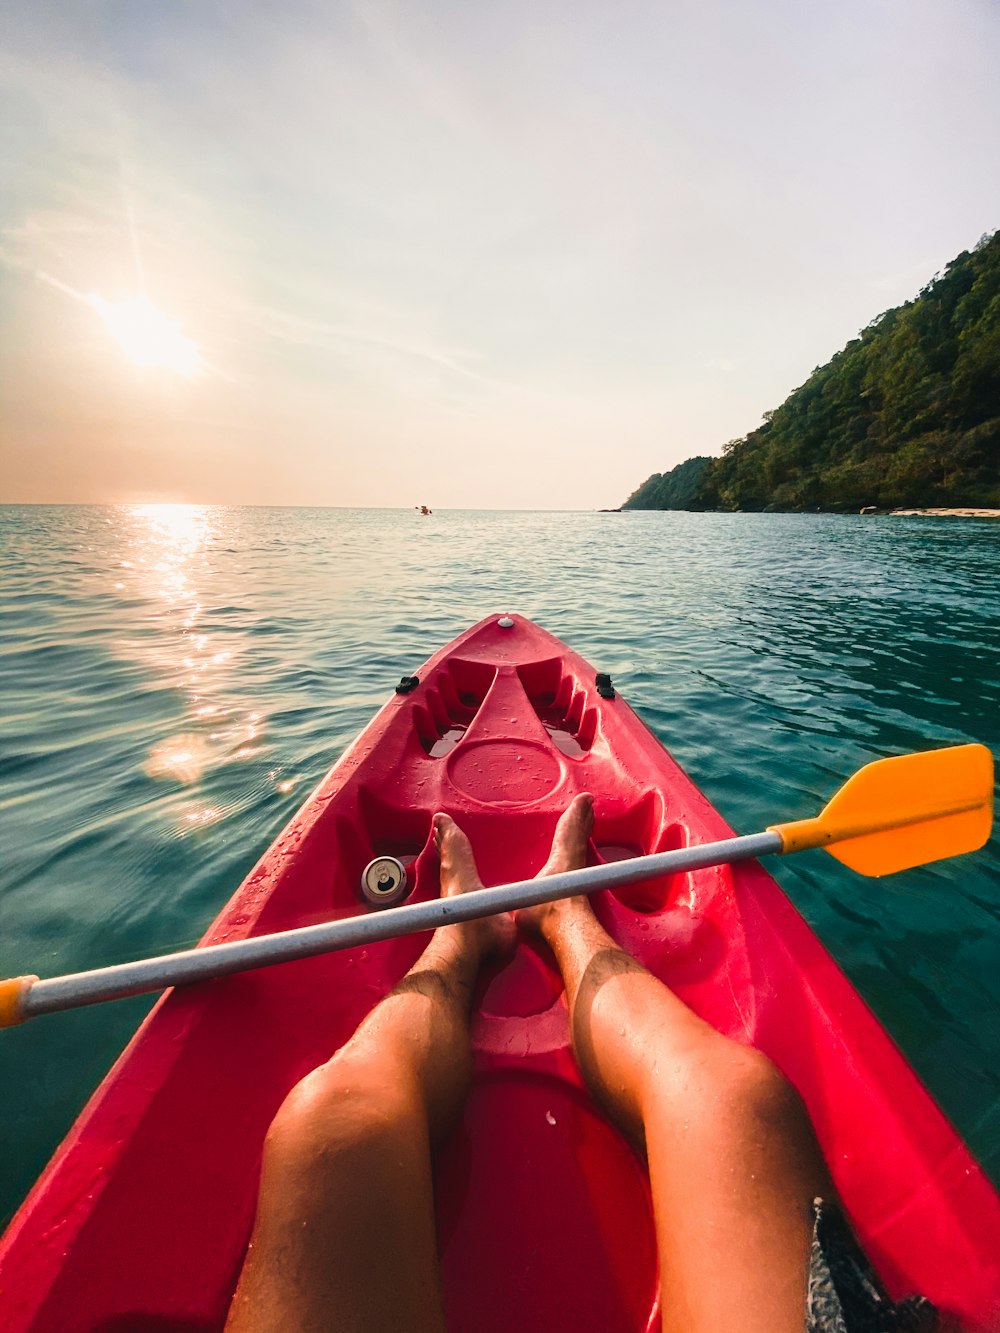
{"x": 733, "y": 1161}
{"x": 344, "y": 1237}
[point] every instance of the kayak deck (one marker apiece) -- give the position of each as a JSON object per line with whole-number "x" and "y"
{"x": 141, "y": 1220}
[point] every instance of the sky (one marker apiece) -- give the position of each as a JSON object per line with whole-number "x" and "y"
{"x": 490, "y": 255}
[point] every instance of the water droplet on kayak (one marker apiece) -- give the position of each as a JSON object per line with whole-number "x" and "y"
{"x": 550, "y": 1117}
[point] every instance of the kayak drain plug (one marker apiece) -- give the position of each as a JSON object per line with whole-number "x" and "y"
{"x": 384, "y": 882}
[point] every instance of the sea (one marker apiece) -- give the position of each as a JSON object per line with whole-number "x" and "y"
{"x": 175, "y": 679}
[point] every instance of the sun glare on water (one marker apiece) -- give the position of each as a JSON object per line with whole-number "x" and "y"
{"x": 146, "y": 335}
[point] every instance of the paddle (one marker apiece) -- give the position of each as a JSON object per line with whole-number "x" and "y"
{"x": 891, "y": 815}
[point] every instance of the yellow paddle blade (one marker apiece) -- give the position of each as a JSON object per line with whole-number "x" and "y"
{"x": 903, "y": 812}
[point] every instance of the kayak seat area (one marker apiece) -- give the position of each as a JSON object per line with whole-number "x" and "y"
{"x": 544, "y": 1214}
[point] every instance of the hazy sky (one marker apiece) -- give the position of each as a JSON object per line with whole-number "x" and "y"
{"x": 487, "y": 254}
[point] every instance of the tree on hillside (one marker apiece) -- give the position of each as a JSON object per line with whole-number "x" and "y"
{"x": 908, "y": 413}
{"x": 676, "y": 489}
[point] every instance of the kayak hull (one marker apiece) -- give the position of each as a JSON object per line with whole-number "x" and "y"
{"x": 141, "y": 1220}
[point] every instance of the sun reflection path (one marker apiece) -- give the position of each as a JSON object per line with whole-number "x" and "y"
{"x": 169, "y": 567}
{"x": 184, "y": 758}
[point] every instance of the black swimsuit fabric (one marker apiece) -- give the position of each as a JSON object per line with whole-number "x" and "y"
{"x": 845, "y": 1296}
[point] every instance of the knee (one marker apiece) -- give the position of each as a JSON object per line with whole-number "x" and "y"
{"x": 754, "y": 1092}
{"x": 753, "y": 1115}
{"x": 345, "y": 1110}
{"x": 734, "y": 1092}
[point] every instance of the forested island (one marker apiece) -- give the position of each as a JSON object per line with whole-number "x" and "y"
{"x": 907, "y": 415}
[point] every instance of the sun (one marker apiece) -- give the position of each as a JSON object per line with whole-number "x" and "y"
{"x": 147, "y": 336}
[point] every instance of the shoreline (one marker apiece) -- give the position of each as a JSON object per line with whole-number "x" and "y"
{"x": 944, "y": 513}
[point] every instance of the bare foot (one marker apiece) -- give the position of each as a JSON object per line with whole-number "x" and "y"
{"x": 491, "y": 934}
{"x": 569, "y": 852}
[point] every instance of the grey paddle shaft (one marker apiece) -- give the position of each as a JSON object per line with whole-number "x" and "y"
{"x": 218, "y": 960}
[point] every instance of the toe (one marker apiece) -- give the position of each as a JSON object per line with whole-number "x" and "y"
{"x": 572, "y": 832}
{"x": 458, "y": 865}
{"x": 440, "y": 824}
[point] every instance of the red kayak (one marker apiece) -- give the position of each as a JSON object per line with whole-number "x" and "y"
{"x": 141, "y": 1220}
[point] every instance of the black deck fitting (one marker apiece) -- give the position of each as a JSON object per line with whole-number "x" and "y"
{"x": 604, "y": 687}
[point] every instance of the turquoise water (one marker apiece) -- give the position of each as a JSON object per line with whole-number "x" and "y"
{"x": 174, "y": 680}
